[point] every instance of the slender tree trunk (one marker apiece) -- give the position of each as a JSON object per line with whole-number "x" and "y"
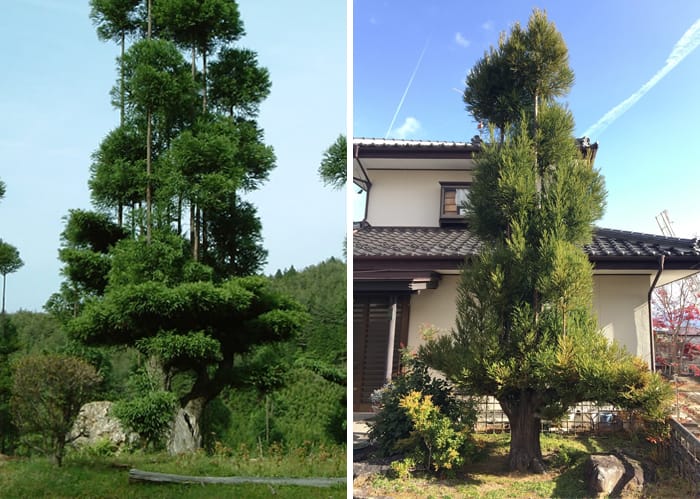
{"x": 121, "y": 80}
{"x": 525, "y": 451}
{"x": 4, "y": 281}
{"x": 204, "y": 81}
{"x": 148, "y": 178}
{"x": 194, "y": 63}
{"x": 198, "y": 231}
{"x": 194, "y": 235}
{"x": 205, "y": 240}
{"x": 150, "y": 21}
{"x": 179, "y": 214}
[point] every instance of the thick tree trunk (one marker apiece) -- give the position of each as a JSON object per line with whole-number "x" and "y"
{"x": 185, "y": 435}
{"x": 525, "y": 451}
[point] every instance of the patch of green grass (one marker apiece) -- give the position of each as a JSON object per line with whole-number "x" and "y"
{"x": 84, "y": 476}
{"x": 487, "y": 475}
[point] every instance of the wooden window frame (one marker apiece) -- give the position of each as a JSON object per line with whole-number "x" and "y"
{"x": 451, "y": 217}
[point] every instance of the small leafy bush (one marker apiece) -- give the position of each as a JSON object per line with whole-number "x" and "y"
{"x": 149, "y": 415}
{"x": 47, "y": 393}
{"x": 437, "y": 442}
{"x": 101, "y": 448}
{"x": 393, "y": 424}
{"x": 403, "y": 468}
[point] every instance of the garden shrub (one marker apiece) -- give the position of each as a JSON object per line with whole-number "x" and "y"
{"x": 436, "y": 441}
{"x": 239, "y": 420}
{"x": 47, "y": 394}
{"x": 392, "y": 423}
{"x": 305, "y": 414}
{"x": 149, "y": 415}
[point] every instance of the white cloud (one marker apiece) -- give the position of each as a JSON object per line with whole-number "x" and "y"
{"x": 683, "y": 48}
{"x": 488, "y": 25}
{"x": 409, "y": 127}
{"x": 461, "y": 40}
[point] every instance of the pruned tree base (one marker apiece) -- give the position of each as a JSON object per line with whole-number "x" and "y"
{"x": 137, "y": 476}
{"x": 185, "y": 436}
{"x": 526, "y": 464}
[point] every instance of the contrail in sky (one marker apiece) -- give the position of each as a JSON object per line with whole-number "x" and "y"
{"x": 408, "y": 86}
{"x": 683, "y": 48}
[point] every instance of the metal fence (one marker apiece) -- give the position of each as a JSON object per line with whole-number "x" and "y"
{"x": 583, "y": 418}
{"x": 685, "y": 452}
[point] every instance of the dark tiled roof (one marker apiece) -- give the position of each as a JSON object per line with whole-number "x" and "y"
{"x": 440, "y": 243}
{"x": 610, "y": 242}
{"x": 413, "y": 241}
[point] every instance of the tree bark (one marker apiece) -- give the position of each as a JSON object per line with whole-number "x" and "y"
{"x": 525, "y": 451}
{"x": 185, "y": 435}
{"x": 194, "y": 232}
{"x": 204, "y": 81}
{"x": 148, "y": 177}
{"x": 121, "y": 79}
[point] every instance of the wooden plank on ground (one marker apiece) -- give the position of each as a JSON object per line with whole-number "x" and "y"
{"x": 153, "y": 477}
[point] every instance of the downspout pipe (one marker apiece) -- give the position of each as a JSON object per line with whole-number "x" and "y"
{"x": 356, "y": 157}
{"x": 652, "y": 361}
{"x": 392, "y": 339}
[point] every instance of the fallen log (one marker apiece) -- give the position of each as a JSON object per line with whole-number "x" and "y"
{"x": 136, "y": 476}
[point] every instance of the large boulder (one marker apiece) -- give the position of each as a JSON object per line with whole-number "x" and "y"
{"x": 614, "y": 474}
{"x": 95, "y": 424}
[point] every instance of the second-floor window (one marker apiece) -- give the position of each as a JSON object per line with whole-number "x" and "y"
{"x": 453, "y": 199}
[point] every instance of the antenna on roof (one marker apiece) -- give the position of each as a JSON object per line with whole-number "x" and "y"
{"x": 664, "y": 222}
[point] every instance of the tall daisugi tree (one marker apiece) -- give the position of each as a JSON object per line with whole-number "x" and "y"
{"x": 183, "y": 130}
{"x": 167, "y": 264}
{"x": 525, "y": 331}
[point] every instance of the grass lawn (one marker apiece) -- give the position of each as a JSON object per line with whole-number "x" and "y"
{"x": 96, "y": 476}
{"x": 487, "y": 476}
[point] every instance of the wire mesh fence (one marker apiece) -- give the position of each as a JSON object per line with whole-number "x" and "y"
{"x": 585, "y": 417}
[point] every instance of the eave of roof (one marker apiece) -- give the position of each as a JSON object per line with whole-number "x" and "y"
{"x": 447, "y": 248}
{"x": 400, "y": 148}
{"x": 413, "y": 149}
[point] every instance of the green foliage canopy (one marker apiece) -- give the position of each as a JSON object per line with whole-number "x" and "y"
{"x": 333, "y": 169}
{"x": 116, "y": 19}
{"x": 527, "y": 66}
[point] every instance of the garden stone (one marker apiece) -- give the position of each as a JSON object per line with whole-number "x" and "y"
{"x": 95, "y": 424}
{"x": 614, "y": 475}
{"x": 603, "y": 472}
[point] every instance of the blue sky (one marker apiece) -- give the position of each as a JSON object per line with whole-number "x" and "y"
{"x": 636, "y": 92}
{"x": 55, "y": 109}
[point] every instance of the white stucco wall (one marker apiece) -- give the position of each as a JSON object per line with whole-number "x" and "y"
{"x": 619, "y": 301}
{"x": 408, "y": 198}
{"x": 433, "y": 307}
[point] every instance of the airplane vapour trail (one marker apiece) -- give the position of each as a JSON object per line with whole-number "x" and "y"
{"x": 408, "y": 86}
{"x": 683, "y": 48}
